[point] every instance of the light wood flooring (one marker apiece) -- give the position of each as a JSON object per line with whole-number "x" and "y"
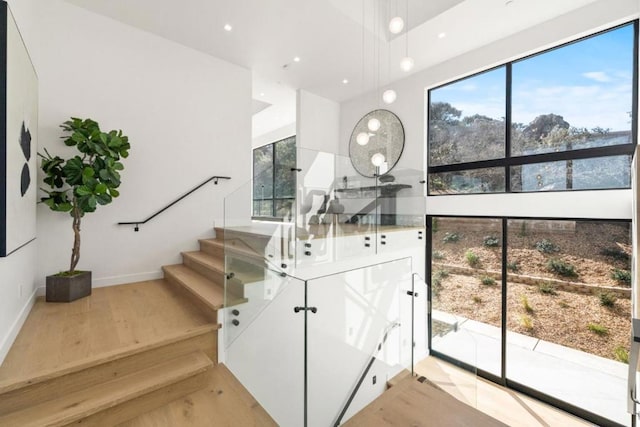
{"x": 508, "y": 406}
{"x": 112, "y": 318}
{"x": 414, "y": 403}
{"x": 223, "y": 403}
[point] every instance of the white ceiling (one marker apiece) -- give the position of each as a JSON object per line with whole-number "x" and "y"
{"x": 327, "y": 36}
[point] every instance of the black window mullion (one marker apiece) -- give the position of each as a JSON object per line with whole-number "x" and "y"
{"x": 584, "y": 153}
{"x": 634, "y": 90}
{"x": 507, "y": 131}
{"x": 273, "y": 181}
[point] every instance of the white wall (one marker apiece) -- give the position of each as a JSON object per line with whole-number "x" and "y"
{"x": 410, "y": 108}
{"x": 187, "y": 115}
{"x": 317, "y": 122}
{"x": 275, "y": 135}
{"x": 17, "y": 271}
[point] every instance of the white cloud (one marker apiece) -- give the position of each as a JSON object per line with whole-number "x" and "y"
{"x": 599, "y": 76}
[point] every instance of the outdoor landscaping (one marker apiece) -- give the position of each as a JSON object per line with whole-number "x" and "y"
{"x": 568, "y": 281}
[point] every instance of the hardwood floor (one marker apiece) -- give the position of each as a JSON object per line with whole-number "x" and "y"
{"x": 415, "y": 403}
{"x": 508, "y": 406}
{"x": 117, "y": 317}
{"x": 223, "y": 403}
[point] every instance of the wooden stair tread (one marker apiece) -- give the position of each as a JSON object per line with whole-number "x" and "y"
{"x": 207, "y": 291}
{"x": 206, "y": 260}
{"x": 75, "y": 406}
{"x": 414, "y": 401}
{"x": 107, "y": 357}
{"x": 223, "y": 402}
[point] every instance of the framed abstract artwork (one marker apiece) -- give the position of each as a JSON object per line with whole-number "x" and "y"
{"x": 18, "y": 138}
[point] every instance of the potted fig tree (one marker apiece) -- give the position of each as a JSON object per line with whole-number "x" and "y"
{"x": 78, "y": 185}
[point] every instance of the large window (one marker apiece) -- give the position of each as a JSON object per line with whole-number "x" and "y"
{"x": 563, "y": 119}
{"x": 274, "y": 185}
{"x": 541, "y": 305}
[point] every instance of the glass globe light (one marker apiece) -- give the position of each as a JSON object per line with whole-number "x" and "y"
{"x": 406, "y": 63}
{"x": 396, "y": 25}
{"x": 377, "y": 159}
{"x": 362, "y": 138}
{"x": 389, "y": 96}
{"x": 373, "y": 124}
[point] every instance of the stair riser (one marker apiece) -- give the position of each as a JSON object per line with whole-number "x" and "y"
{"x": 209, "y": 273}
{"x": 219, "y": 233}
{"x": 212, "y": 249}
{"x": 145, "y": 403}
{"x": 235, "y": 289}
{"x": 46, "y": 390}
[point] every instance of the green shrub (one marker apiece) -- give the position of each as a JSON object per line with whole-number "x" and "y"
{"x": 561, "y": 268}
{"x": 547, "y": 288}
{"x": 526, "y": 322}
{"x": 607, "y": 299}
{"x": 513, "y": 266}
{"x": 437, "y": 255}
{"x": 451, "y": 237}
{"x": 477, "y": 299}
{"x": 491, "y": 241}
{"x": 525, "y": 304}
{"x": 472, "y": 258}
{"x": 546, "y": 247}
{"x": 434, "y": 225}
{"x": 488, "y": 281}
{"x": 621, "y": 276}
{"x": 598, "y": 329}
{"x": 436, "y": 281}
{"x": 621, "y": 354}
{"x": 617, "y": 254}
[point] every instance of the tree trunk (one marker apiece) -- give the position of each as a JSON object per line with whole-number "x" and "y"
{"x": 75, "y": 252}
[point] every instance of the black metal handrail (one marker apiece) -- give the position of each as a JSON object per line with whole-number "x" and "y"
{"x": 137, "y": 224}
{"x": 389, "y": 328}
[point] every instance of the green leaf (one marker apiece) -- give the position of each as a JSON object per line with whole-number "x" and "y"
{"x": 88, "y": 172}
{"x": 83, "y": 191}
{"x": 73, "y": 170}
{"x": 114, "y": 193}
{"x": 103, "y": 199}
{"x": 101, "y": 189}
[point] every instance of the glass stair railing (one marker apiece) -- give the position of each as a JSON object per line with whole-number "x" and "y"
{"x": 318, "y": 304}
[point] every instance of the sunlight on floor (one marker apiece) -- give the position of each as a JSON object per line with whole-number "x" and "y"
{"x": 505, "y": 405}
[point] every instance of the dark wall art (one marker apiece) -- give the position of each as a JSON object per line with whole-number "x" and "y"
{"x": 18, "y": 138}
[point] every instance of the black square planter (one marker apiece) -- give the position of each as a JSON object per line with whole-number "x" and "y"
{"x": 70, "y": 288}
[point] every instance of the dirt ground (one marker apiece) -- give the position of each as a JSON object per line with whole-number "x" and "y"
{"x": 560, "y": 317}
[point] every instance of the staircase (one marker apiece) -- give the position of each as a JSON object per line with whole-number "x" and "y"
{"x": 129, "y": 382}
{"x": 202, "y": 273}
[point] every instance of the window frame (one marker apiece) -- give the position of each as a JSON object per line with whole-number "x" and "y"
{"x": 273, "y": 197}
{"x": 503, "y": 378}
{"x": 508, "y": 160}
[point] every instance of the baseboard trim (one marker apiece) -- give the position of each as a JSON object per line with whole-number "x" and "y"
{"x": 11, "y": 336}
{"x": 127, "y": 278}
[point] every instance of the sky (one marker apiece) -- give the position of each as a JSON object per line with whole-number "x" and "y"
{"x": 587, "y": 82}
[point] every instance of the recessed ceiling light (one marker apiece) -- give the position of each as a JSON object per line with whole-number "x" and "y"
{"x": 296, "y": 59}
{"x": 345, "y": 81}
{"x": 261, "y": 93}
{"x": 442, "y": 35}
{"x": 228, "y": 27}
